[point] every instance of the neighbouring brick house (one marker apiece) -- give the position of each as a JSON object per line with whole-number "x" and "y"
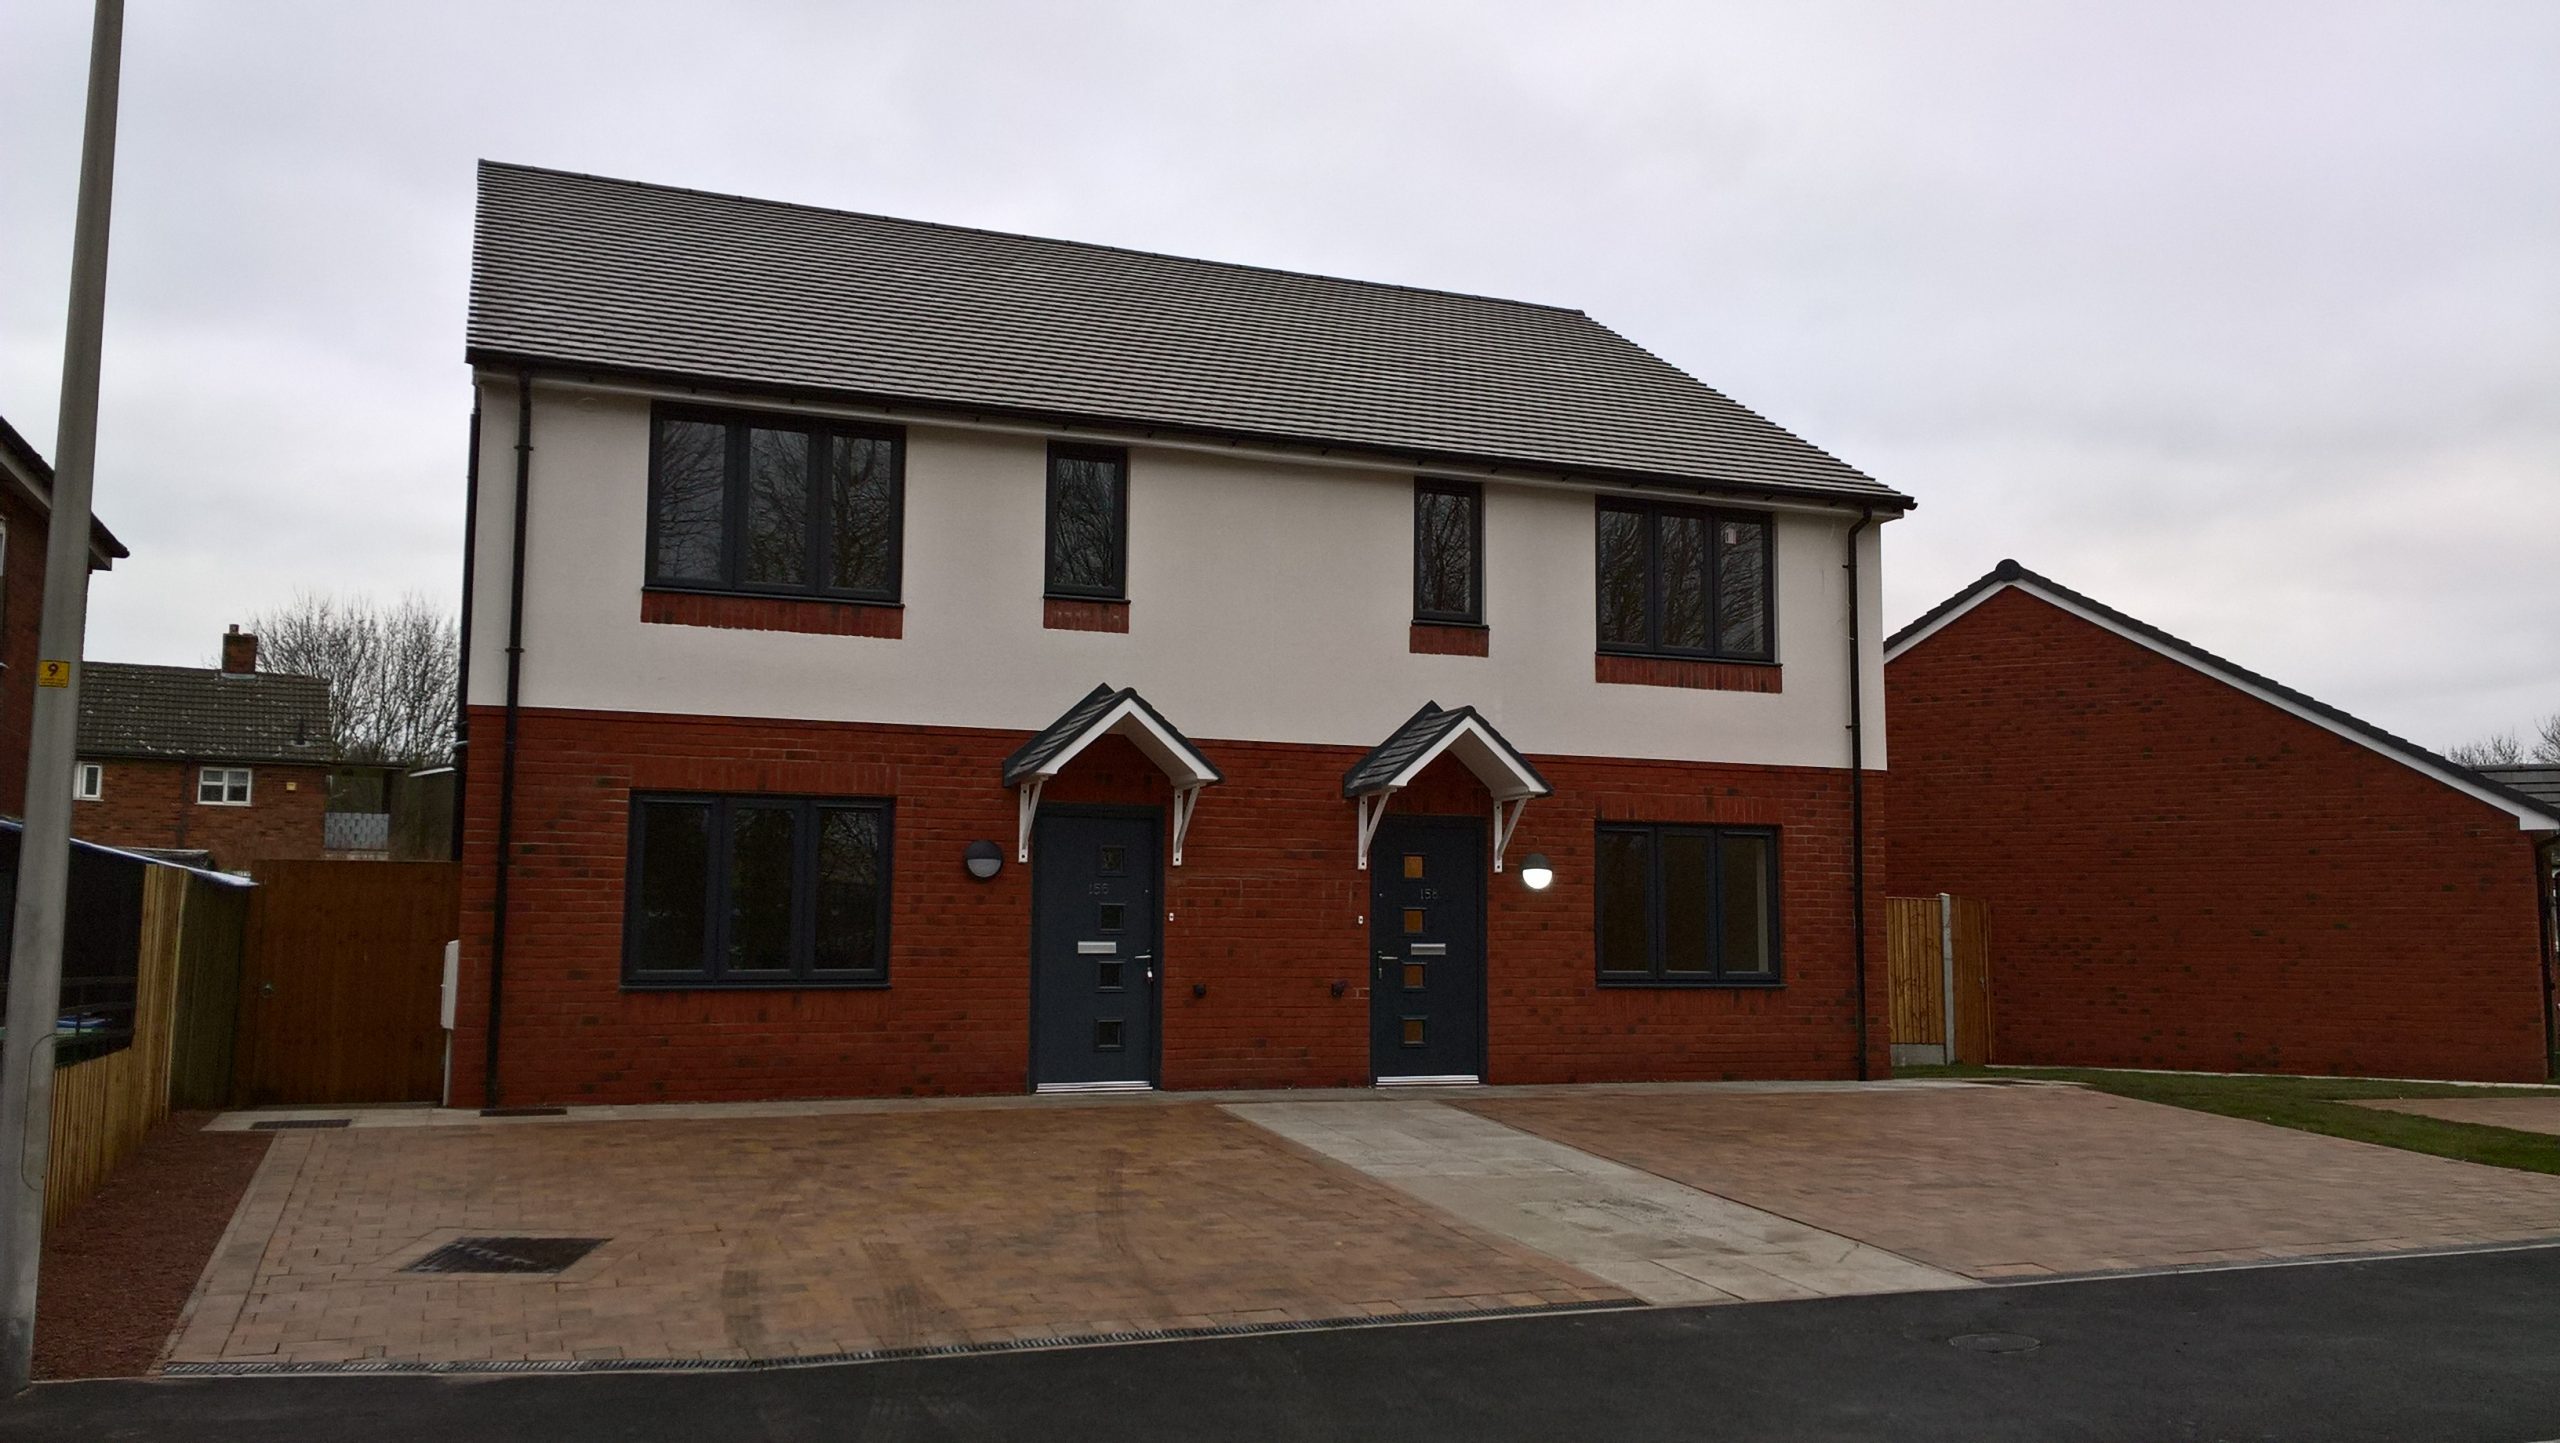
{"x": 26, "y": 508}
{"x": 2192, "y": 866}
{"x": 227, "y": 765}
{"x": 945, "y": 661}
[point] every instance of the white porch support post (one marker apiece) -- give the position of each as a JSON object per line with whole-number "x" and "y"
{"x": 1185, "y": 801}
{"x": 1504, "y": 824}
{"x": 1373, "y": 810}
{"x": 1027, "y": 804}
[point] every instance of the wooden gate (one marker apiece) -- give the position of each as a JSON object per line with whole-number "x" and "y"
{"x": 339, "y": 998}
{"x": 1928, "y": 941}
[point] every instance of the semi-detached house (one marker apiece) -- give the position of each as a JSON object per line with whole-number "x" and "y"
{"x": 904, "y": 658}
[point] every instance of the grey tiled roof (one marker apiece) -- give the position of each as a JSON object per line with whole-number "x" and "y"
{"x": 2540, "y": 782}
{"x": 583, "y": 272}
{"x": 1419, "y": 734}
{"x": 1058, "y": 735}
{"x": 129, "y": 710}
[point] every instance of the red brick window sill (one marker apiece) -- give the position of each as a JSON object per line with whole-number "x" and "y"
{"x": 1681, "y": 671}
{"x": 772, "y": 613}
{"x": 1437, "y": 639}
{"x": 1064, "y": 613}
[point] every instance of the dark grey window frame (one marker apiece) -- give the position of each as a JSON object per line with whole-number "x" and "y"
{"x": 1474, "y": 493}
{"x": 712, "y": 973}
{"x": 1118, "y": 588}
{"x": 1654, "y": 975}
{"x": 1651, "y": 511}
{"x": 734, "y": 501}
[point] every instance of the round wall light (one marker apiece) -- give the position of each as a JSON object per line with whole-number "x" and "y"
{"x": 985, "y": 859}
{"x": 1537, "y": 873}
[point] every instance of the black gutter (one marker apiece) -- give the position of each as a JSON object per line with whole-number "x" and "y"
{"x": 927, "y": 410}
{"x": 507, "y": 758}
{"x": 462, "y": 669}
{"x": 1858, "y": 792}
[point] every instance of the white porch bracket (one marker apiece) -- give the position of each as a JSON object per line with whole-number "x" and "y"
{"x": 1185, "y": 801}
{"x": 1506, "y": 820}
{"x": 1373, "y": 810}
{"x": 1027, "y": 804}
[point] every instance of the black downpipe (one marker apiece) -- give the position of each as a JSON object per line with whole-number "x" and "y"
{"x": 2546, "y": 896}
{"x": 1858, "y": 791}
{"x": 462, "y": 669}
{"x": 507, "y": 757}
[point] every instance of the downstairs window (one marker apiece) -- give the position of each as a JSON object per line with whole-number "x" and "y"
{"x": 757, "y": 891}
{"x": 1687, "y": 905}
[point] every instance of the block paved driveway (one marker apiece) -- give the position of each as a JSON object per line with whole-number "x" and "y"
{"x": 796, "y": 1236}
{"x": 2020, "y": 1181}
{"x": 862, "y": 1227}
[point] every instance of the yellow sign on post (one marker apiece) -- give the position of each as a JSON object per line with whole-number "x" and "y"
{"x": 53, "y": 673}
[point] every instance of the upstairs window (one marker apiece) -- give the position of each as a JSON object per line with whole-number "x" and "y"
{"x": 775, "y": 504}
{"x": 757, "y": 891}
{"x": 1687, "y": 904}
{"x": 223, "y": 786}
{"x": 89, "y": 783}
{"x": 1685, "y": 581}
{"x": 1088, "y": 522}
{"x": 1448, "y": 552}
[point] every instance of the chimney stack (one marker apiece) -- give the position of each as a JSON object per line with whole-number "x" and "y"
{"x": 239, "y": 652}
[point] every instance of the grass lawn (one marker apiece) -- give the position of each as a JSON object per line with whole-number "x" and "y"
{"x": 2313, "y": 1104}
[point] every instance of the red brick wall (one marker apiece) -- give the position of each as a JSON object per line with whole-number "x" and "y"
{"x": 21, "y": 608}
{"x": 1267, "y": 911}
{"x": 2182, "y": 876}
{"x": 153, "y": 804}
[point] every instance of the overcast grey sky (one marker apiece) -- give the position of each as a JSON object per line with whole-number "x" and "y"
{"x": 2242, "y": 317}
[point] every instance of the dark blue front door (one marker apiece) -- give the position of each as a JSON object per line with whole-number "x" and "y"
{"x": 1426, "y": 932}
{"x": 1094, "y": 911}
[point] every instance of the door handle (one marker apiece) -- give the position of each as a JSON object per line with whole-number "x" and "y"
{"x": 1149, "y": 959}
{"x": 266, "y": 989}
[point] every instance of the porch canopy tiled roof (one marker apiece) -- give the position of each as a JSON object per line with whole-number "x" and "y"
{"x": 1426, "y": 736}
{"x": 1109, "y": 711}
{"x": 196, "y": 713}
{"x": 614, "y": 278}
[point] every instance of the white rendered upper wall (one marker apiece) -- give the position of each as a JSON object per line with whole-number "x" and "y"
{"x": 1269, "y": 600}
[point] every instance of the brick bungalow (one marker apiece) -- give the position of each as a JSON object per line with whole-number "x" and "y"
{"x": 910, "y": 659}
{"x": 26, "y": 510}
{"x": 2191, "y": 866}
{"x": 224, "y": 767}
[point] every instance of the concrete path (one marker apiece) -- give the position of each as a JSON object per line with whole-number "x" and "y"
{"x": 1659, "y": 1240}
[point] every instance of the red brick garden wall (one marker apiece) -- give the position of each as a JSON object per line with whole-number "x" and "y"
{"x": 1267, "y": 911}
{"x": 153, "y": 804}
{"x": 2183, "y": 876}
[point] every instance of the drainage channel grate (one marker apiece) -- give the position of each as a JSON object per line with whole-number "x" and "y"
{"x": 505, "y": 1255}
{"x": 283, "y": 1124}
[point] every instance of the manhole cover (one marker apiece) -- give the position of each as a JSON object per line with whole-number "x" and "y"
{"x": 1994, "y": 1342}
{"x": 505, "y": 1255}
{"x": 282, "y": 1123}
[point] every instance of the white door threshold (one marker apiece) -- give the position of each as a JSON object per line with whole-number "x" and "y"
{"x": 1455, "y": 1079}
{"x": 1081, "y": 1087}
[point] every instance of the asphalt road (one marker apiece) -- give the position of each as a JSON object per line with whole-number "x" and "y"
{"x": 2446, "y": 1348}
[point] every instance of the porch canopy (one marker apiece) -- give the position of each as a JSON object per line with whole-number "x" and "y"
{"x": 1461, "y": 733}
{"x": 1108, "y": 712}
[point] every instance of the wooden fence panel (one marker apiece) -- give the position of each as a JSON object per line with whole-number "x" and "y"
{"x": 1916, "y": 970}
{"x": 102, "y": 1107}
{"x": 1916, "y": 980}
{"x": 216, "y": 925}
{"x": 339, "y": 999}
{"x": 1974, "y": 1008}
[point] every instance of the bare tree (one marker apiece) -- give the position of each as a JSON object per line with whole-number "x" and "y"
{"x": 2506, "y": 749}
{"x": 392, "y": 672}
